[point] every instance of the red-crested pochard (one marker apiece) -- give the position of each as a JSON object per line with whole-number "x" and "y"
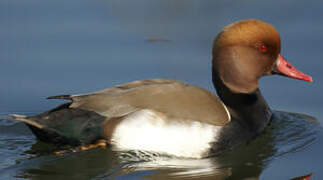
{"x": 171, "y": 117}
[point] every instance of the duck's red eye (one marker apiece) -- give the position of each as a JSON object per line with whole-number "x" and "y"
{"x": 262, "y": 48}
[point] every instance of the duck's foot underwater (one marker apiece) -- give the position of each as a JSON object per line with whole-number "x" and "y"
{"x": 97, "y": 144}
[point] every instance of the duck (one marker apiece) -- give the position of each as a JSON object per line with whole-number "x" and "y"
{"x": 174, "y": 118}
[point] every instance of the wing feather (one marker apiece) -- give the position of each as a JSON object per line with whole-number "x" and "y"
{"x": 172, "y": 98}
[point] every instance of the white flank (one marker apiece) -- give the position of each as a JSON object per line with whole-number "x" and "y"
{"x": 148, "y": 131}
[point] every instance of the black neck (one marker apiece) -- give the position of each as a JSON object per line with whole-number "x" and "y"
{"x": 249, "y": 109}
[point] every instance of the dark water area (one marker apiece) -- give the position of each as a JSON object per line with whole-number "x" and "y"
{"x": 71, "y": 47}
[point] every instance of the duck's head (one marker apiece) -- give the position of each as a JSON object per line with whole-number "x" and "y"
{"x": 247, "y": 50}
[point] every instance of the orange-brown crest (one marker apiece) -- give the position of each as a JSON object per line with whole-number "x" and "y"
{"x": 250, "y": 33}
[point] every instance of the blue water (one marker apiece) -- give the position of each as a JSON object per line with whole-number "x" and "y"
{"x": 63, "y": 47}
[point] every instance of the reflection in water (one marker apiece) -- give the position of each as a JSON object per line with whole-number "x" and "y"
{"x": 306, "y": 177}
{"x": 289, "y": 132}
{"x": 293, "y": 132}
{"x": 175, "y": 167}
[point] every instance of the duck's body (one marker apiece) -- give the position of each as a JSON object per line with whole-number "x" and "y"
{"x": 158, "y": 115}
{"x": 168, "y": 116}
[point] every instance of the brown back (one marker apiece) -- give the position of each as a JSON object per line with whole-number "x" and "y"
{"x": 176, "y": 100}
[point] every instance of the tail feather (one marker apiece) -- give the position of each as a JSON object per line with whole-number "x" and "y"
{"x": 25, "y": 119}
{"x": 65, "y": 125}
{"x": 42, "y": 132}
